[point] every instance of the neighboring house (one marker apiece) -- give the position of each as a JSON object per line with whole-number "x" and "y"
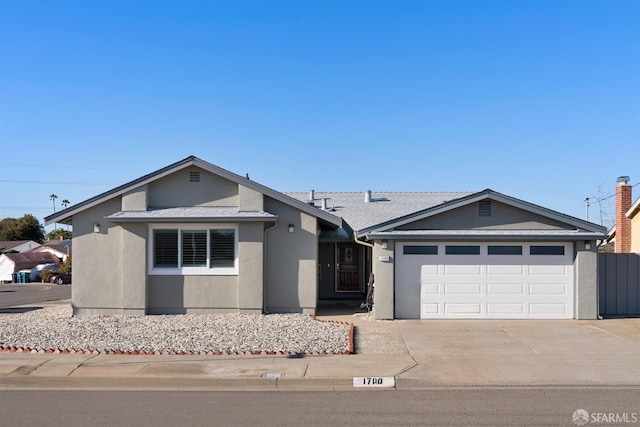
{"x": 59, "y": 248}
{"x": 633, "y": 214}
{"x": 624, "y": 236}
{"x": 18, "y": 245}
{"x": 14, "y": 262}
{"x": 196, "y": 238}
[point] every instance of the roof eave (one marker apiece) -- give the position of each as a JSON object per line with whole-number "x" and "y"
{"x": 117, "y": 220}
{"x": 65, "y": 216}
{"x": 483, "y": 237}
{"x": 633, "y": 210}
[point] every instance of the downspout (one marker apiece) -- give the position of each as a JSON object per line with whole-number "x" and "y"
{"x": 368, "y": 245}
{"x": 360, "y": 242}
{"x": 264, "y": 267}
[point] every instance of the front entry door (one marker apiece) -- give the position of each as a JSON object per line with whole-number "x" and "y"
{"x": 348, "y": 264}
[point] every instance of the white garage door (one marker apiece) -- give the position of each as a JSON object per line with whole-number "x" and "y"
{"x": 483, "y": 280}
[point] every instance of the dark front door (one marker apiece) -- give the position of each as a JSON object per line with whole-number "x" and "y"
{"x": 348, "y": 266}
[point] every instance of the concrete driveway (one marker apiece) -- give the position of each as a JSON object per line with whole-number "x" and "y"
{"x": 509, "y": 352}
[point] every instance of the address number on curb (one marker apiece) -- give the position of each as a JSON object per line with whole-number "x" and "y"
{"x": 374, "y": 382}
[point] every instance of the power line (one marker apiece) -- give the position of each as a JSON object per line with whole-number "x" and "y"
{"x": 12, "y": 181}
{"x": 70, "y": 167}
{"x": 597, "y": 199}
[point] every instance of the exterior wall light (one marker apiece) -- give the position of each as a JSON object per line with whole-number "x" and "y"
{"x": 96, "y": 227}
{"x": 292, "y": 228}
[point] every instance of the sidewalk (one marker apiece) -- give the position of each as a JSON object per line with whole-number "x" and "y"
{"x": 416, "y": 354}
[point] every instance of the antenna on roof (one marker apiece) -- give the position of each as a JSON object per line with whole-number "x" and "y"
{"x": 247, "y": 175}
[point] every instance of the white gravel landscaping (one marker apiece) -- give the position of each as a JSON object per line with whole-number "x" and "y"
{"x": 55, "y": 328}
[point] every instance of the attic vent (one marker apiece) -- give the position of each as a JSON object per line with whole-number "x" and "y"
{"x": 194, "y": 176}
{"x": 484, "y": 208}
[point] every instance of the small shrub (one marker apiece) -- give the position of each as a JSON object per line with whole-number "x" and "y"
{"x": 46, "y": 275}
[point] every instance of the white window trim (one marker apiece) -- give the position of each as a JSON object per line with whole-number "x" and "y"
{"x": 192, "y": 271}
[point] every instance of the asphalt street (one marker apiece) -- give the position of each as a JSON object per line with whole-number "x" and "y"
{"x": 12, "y": 295}
{"x": 463, "y": 406}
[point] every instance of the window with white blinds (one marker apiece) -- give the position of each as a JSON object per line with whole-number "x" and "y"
{"x": 165, "y": 251}
{"x": 223, "y": 248}
{"x": 194, "y": 248}
{"x": 184, "y": 250}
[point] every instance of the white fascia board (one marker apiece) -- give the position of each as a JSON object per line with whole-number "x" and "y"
{"x": 481, "y": 235}
{"x": 634, "y": 209}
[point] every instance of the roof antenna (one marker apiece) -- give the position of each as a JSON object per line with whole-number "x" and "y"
{"x": 247, "y": 175}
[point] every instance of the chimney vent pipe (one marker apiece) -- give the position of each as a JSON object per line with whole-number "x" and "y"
{"x": 312, "y": 195}
{"x": 623, "y": 180}
{"x": 367, "y": 196}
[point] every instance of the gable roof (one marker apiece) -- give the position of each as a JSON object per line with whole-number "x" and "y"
{"x": 7, "y": 245}
{"x": 58, "y": 250}
{"x": 65, "y": 216}
{"x": 583, "y": 229}
{"x": 30, "y": 260}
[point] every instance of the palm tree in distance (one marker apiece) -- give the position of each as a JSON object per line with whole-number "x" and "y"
{"x": 53, "y": 198}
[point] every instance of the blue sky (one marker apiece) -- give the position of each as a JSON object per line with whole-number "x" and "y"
{"x": 539, "y": 100}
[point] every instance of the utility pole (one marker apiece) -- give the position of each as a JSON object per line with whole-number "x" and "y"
{"x": 65, "y": 203}
{"x": 53, "y": 198}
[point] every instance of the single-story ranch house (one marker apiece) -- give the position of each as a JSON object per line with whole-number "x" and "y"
{"x": 195, "y": 238}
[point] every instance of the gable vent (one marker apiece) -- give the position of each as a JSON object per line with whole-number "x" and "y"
{"x": 484, "y": 208}
{"x": 194, "y": 176}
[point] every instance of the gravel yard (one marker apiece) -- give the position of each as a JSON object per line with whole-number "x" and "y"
{"x": 55, "y": 328}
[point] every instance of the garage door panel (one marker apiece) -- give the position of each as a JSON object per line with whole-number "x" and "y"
{"x": 505, "y": 288}
{"x": 547, "y": 270}
{"x": 515, "y": 309}
{"x": 496, "y": 285}
{"x": 430, "y": 310}
{"x": 462, "y": 269}
{"x": 430, "y": 289}
{"x": 547, "y": 289}
{"x": 548, "y": 309}
{"x": 517, "y": 269}
{"x": 463, "y": 309}
{"x": 426, "y": 270}
{"x": 462, "y": 288}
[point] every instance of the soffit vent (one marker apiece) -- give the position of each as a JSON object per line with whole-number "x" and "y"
{"x": 194, "y": 176}
{"x": 484, "y": 208}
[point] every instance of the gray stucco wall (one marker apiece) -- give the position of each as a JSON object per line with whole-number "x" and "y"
{"x": 251, "y": 268}
{"x": 503, "y": 217}
{"x": 250, "y": 200}
{"x": 133, "y": 280}
{"x": 176, "y": 190}
{"x": 586, "y": 280}
{"x": 384, "y": 290}
{"x": 136, "y": 199}
{"x": 192, "y": 294}
{"x": 97, "y": 262}
{"x": 292, "y": 259}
